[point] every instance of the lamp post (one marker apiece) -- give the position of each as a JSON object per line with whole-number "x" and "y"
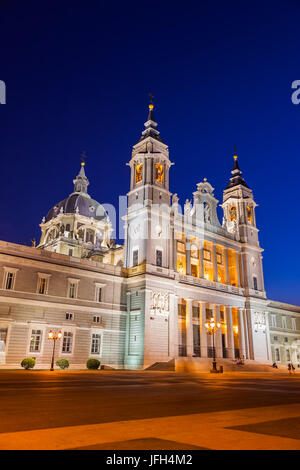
{"x": 212, "y": 326}
{"x": 54, "y": 336}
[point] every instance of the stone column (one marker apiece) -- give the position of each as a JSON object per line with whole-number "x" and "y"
{"x": 218, "y": 333}
{"x": 173, "y": 326}
{"x": 215, "y": 264}
{"x": 230, "y": 339}
{"x": 203, "y": 332}
{"x": 171, "y": 252}
{"x": 189, "y": 328}
{"x": 242, "y": 345}
{"x": 188, "y": 255}
{"x": 175, "y": 251}
{"x": 201, "y": 260}
{"x": 238, "y": 269}
{"x": 227, "y": 279}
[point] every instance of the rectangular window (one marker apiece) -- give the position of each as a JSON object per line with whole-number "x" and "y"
{"x": 254, "y": 283}
{"x": 219, "y": 258}
{"x": 69, "y": 316}
{"x": 36, "y": 340}
{"x": 158, "y": 258}
{"x": 9, "y": 281}
{"x": 277, "y": 354}
{"x": 96, "y": 338}
{"x": 70, "y": 252}
{"x": 288, "y": 356}
{"x": 286, "y": 340}
{"x": 293, "y": 323}
{"x": 42, "y": 285}
{"x": 283, "y": 322}
{"x": 275, "y": 338}
{"x": 206, "y": 255}
{"x": 72, "y": 290}
{"x": 273, "y": 320}
{"x": 67, "y": 342}
{"x": 96, "y": 319}
{"x": 194, "y": 270}
{"x": 3, "y": 334}
{"x": 135, "y": 257}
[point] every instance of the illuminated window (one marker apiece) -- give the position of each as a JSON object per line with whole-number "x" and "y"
{"x": 139, "y": 172}
{"x": 194, "y": 270}
{"x": 206, "y": 255}
{"x": 67, "y": 342}
{"x": 249, "y": 214}
{"x": 35, "y": 341}
{"x": 219, "y": 258}
{"x": 232, "y": 213}
{"x": 159, "y": 173}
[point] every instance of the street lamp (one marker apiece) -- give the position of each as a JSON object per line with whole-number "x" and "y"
{"x": 54, "y": 336}
{"x": 212, "y": 326}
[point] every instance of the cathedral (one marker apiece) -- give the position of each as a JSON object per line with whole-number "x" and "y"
{"x": 183, "y": 288}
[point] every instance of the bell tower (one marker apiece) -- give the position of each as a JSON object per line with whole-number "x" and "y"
{"x": 239, "y": 219}
{"x": 147, "y": 227}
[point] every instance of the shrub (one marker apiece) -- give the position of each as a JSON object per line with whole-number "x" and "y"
{"x": 93, "y": 364}
{"x": 62, "y": 363}
{"x": 28, "y": 363}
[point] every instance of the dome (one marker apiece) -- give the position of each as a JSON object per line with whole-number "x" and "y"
{"x": 78, "y": 203}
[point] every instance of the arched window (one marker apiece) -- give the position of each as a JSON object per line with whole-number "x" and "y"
{"x": 159, "y": 173}
{"x": 89, "y": 236}
{"x": 139, "y": 172}
{"x": 249, "y": 214}
{"x": 232, "y": 213}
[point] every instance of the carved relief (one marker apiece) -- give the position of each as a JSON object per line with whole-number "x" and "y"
{"x": 259, "y": 320}
{"x": 159, "y": 303}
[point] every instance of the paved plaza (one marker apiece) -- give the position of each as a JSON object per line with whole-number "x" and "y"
{"x": 148, "y": 410}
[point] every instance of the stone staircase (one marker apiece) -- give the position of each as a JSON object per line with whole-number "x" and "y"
{"x": 198, "y": 364}
{"x": 162, "y": 366}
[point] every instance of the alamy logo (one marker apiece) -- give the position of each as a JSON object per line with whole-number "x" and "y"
{"x": 296, "y": 95}
{"x": 2, "y": 92}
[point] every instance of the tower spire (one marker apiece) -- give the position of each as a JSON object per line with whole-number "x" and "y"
{"x": 236, "y": 178}
{"x": 81, "y": 182}
{"x": 151, "y": 124}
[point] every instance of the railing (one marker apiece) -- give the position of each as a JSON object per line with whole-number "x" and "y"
{"x": 197, "y": 352}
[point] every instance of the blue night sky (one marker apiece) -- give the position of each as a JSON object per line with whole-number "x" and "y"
{"x": 78, "y": 75}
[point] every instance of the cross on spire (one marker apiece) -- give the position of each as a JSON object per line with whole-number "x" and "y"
{"x": 83, "y": 157}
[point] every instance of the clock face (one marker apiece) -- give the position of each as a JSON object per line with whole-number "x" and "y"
{"x": 139, "y": 172}
{"x": 159, "y": 173}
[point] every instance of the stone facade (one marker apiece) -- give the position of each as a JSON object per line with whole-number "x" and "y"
{"x": 151, "y": 299}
